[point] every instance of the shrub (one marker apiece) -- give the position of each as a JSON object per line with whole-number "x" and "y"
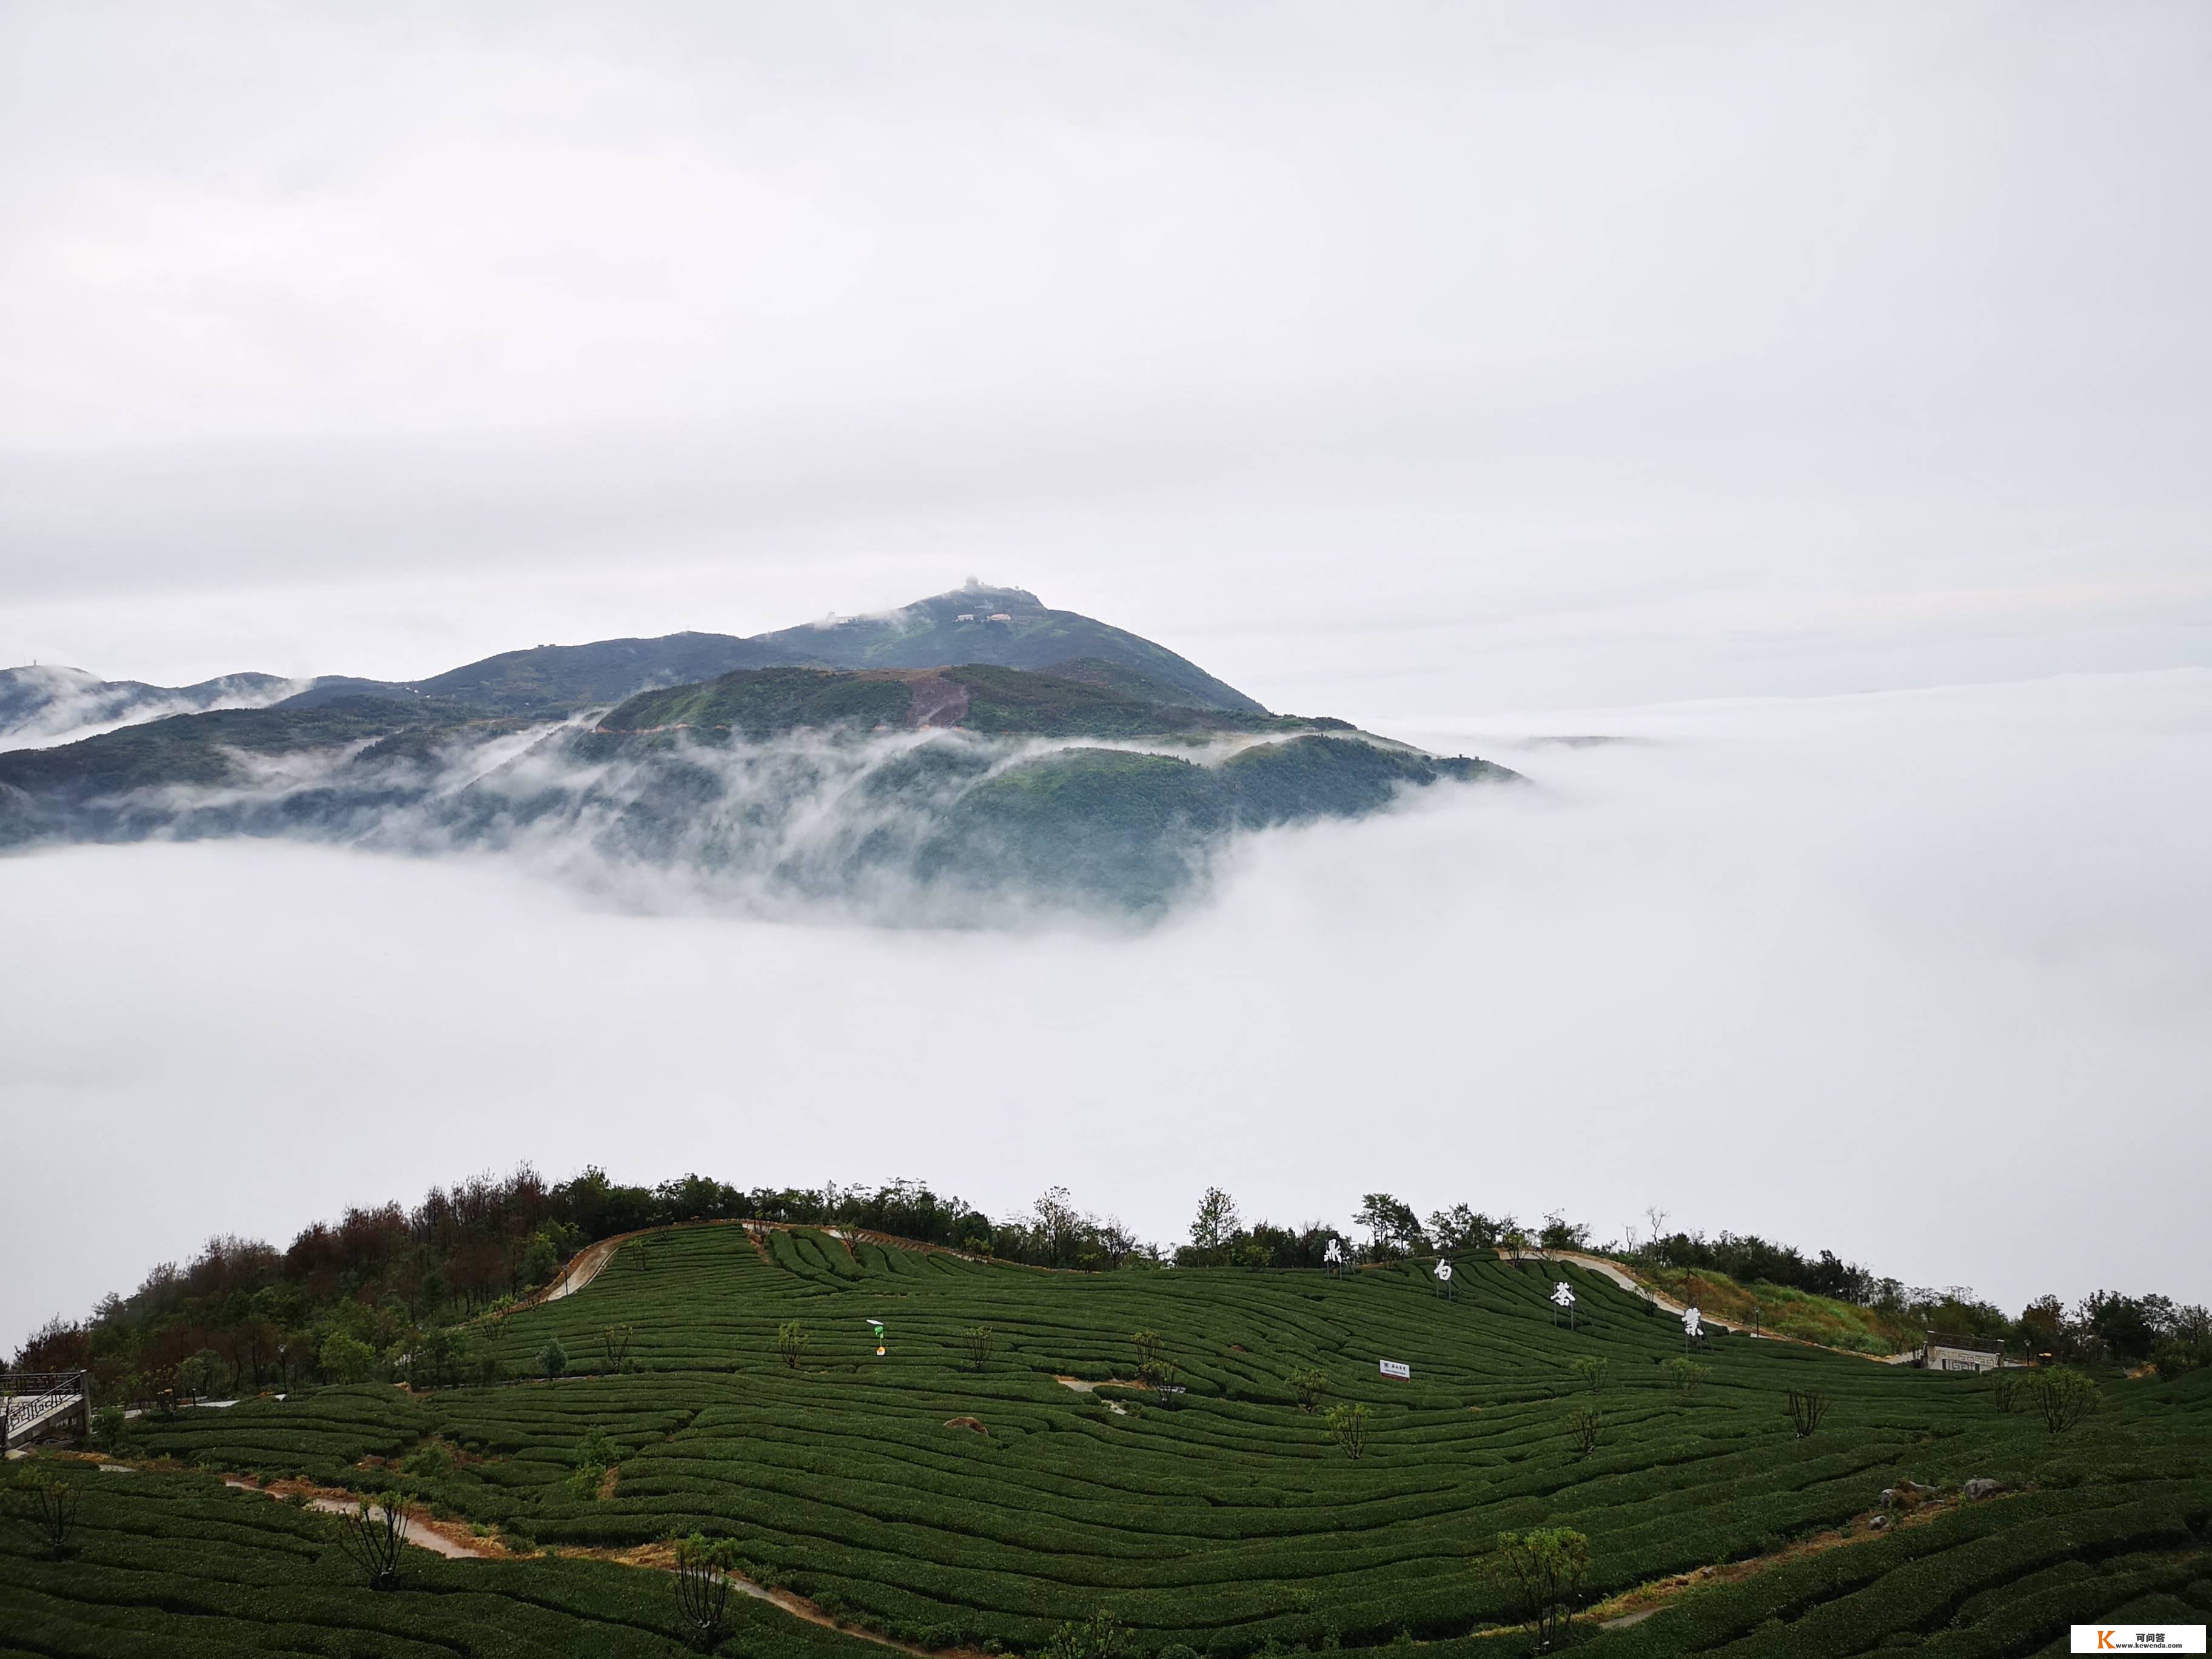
{"x": 791, "y": 1341}
{"x": 2064, "y": 1395}
{"x": 553, "y": 1358}
{"x": 702, "y": 1587}
{"x": 1099, "y": 1636}
{"x": 1308, "y": 1385}
{"x": 1546, "y": 1567}
{"x": 979, "y": 1342}
{"x": 111, "y": 1429}
{"x": 1348, "y": 1424}
{"x": 1589, "y": 1369}
{"x": 2004, "y": 1388}
{"x": 1806, "y": 1407}
{"x": 1685, "y": 1374}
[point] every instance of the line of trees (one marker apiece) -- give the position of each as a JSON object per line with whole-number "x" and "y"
{"x": 389, "y": 1292}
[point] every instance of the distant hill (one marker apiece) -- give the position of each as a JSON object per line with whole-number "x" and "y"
{"x": 922, "y": 792}
{"x": 1006, "y": 627}
{"x": 43, "y": 703}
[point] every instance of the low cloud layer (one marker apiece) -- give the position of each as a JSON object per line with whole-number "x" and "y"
{"x": 1918, "y": 977}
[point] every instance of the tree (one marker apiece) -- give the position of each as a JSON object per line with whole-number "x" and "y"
{"x": 343, "y": 1359}
{"x": 374, "y": 1534}
{"x": 2064, "y": 1395}
{"x": 1588, "y": 1423}
{"x": 541, "y": 1260}
{"x": 1393, "y": 1228}
{"x": 47, "y": 1505}
{"x": 1559, "y": 1234}
{"x": 791, "y": 1342}
{"x": 1307, "y": 1386}
{"x": 614, "y": 1342}
{"x": 1460, "y": 1228}
{"x": 702, "y": 1587}
{"x": 1590, "y": 1370}
{"x": 1059, "y": 1226}
{"x": 111, "y": 1429}
{"x": 979, "y": 1343}
{"x": 196, "y": 1375}
{"x": 1215, "y": 1226}
{"x": 1348, "y": 1424}
{"x": 1548, "y": 1566}
{"x": 1806, "y": 1407}
{"x": 553, "y": 1358}
{"x": 1148, "y": 1346}
{"x": 594, "y": 1455}
{"x": 2004, "y": 1387}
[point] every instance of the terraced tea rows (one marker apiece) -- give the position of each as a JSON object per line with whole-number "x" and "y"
{"x": 1226, "y": 1518}
{"x": 178, "y": 1566}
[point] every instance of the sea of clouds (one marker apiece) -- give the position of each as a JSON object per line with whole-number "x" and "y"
{"x": 1918, "y": 977}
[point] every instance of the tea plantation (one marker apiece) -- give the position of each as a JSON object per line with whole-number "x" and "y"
{"x": 1225, "y": 1519}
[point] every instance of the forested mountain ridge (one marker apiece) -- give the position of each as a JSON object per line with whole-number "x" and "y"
{"x": 1008, "y": 627}
{"x": 922, "y": 792}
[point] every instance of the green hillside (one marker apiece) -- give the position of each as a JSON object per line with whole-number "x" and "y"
{"x": 1225, "y": 1520}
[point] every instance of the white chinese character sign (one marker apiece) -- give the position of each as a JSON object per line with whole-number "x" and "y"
{"x": 1693, "y": 1327}
{"x": 1562, "y": 1301}
{"x": 1334, "y": 1256}
{"x": 1443, "y": 1278}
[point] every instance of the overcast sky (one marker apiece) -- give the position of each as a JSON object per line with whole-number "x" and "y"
{"x": 1392, "y": 356}
{"x": 1439, "y": 366}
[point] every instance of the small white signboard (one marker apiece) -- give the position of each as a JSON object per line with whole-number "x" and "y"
{"x": 1397, "y": 1368}
{"x": 1563, "y": 1295}
{"x": 1444, "y": 1271}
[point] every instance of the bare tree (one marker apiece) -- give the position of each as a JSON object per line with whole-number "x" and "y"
{"x": 1548, "y": 1566}
{"x": 1807, "y": 1408}
{"x": 2064, "y": 1395}
{"x": 702, "y": 1587}
{"x": 374, "y": 1535}
{"x": 1588, "y": 1423}
{"x": 1348, "y": 1423}
{"x": 615, "y": 1339}
{"x": 48, "y": 1504}
{"x": 979, "y": 1343}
